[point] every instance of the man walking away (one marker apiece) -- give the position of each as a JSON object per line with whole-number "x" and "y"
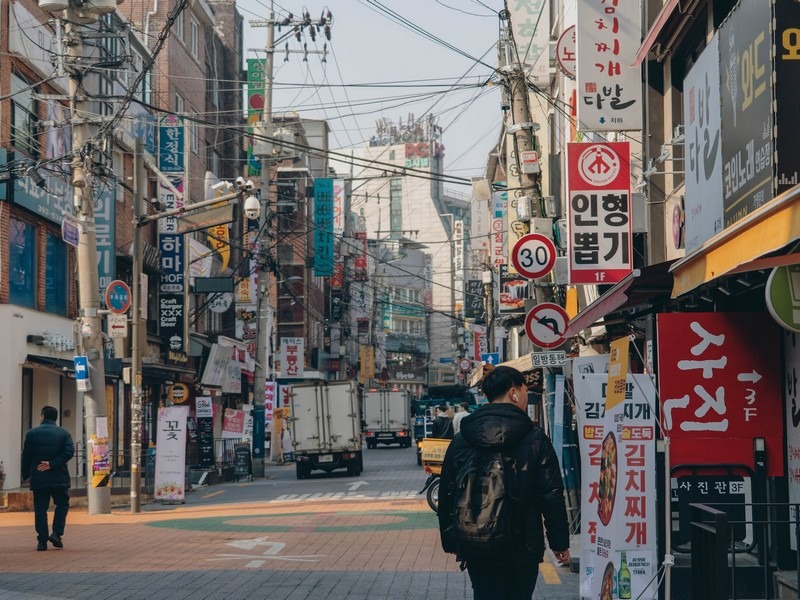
{"x": 463, "y": 411}
{"x": 500, "y": 478}
{"x": 45, "y": 454}
{"x": 442, "y": 427}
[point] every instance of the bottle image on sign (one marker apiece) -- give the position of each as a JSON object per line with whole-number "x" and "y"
{"x": 624, "y": 579}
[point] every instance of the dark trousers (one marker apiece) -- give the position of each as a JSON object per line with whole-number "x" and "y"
{"x": 502, "y": 581}
{"x": 41, "y": 502}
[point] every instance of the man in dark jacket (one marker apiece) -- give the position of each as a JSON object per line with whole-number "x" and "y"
{"x": 45, "y": 454}
{"x": 503, "y": 425}
{"x": 442, "y": 426}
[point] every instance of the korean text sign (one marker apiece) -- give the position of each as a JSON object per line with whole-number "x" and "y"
{"x": 609, "y": 90}
{"x": 599, "y": 193}
{"x": 292, "y": 357}
{"x": 618, "y": 466}
{"x": 720, "y": 387}
{"x": 171, "y": 453}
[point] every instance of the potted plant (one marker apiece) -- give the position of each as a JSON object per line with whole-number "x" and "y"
{"x": 2, "y": 474}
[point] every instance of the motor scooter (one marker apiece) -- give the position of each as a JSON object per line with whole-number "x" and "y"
{"x": 432, "y": 451}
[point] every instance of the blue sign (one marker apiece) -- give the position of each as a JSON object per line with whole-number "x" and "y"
{"x": 70, "y": 232}
{"x": 323, "y": 227}
{"x": 491, "y": 358}
{"x": 171, "y": 134}
{"x": 81, "y": 367}
{"x": 118, "y": 297}
{"x": 82, "y": 380}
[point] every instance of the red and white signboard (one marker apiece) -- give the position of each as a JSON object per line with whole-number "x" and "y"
{"x": 720, "y": 387}
{"x": 600, "y": 236}
{"x": 618, "y": 481}
{"x": 565, "y": 52}
{"x": 546, "y": 324}
{"x": 534, "y": 255}
{"x": 609, "y": 90}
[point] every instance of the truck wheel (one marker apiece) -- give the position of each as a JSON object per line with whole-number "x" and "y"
{"x": 419, "y": 458}
{"x": 301, "y": 470}
{"x": 433, "y": 496}
{"x": 354, "y": 471}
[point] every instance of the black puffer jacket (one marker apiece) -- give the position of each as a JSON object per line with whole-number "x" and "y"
{"x": 54, "y": 444}
{"x": 506, "y": 427}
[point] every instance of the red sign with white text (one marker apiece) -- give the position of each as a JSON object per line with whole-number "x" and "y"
{"x": 720, "y": 387}
{"x": 600, "y": 236}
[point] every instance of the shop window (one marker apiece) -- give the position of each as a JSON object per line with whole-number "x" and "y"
{"x": 56, "y": 269}
{"x": 24, "y": 117}
{"x": 22, "y": 263}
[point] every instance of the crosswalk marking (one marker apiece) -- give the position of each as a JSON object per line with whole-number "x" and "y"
{"x": 360, "y": 495}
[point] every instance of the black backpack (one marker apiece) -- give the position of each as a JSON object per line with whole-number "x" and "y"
{"x": 485, "y": 514}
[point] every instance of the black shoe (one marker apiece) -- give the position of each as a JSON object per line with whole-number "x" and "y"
{"x": 56, "y": 541}
{"x": 41, "y": 546}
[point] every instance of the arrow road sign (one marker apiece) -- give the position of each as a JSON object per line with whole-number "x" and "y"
{"x": 357, "y": 484}
{"x": 82, "y": 373}
{"x": 117, "y": 326}
{"x": 546, "y": 325}
{"x": 490, "y": 358}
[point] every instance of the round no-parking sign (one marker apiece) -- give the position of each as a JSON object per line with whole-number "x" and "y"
{"x": 534, "y": 255}
{"x": 546, "y": 325}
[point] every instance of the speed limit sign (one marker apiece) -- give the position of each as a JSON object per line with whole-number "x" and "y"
{"x": 534, "y": 255}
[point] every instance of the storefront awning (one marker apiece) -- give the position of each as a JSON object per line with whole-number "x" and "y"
{"x": 643, "y": 287}
{"x": 743, "y": 246}
{"x": 62, "y": 365}
{"x": 662, "y": 27}
{"x": 523, "y": 364}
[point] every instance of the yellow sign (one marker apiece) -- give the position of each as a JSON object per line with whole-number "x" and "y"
{"x": 178, "y": 393}
{"x": 99, "y": 462}
{"x": 617, "y": 372}
{"x": 367, "y": 363}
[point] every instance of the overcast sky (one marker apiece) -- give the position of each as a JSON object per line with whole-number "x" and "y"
{"x": 369, "y": 47}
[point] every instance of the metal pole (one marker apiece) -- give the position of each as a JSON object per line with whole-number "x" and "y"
{"x": 139, "y": 188}
{"x": 263, "y": 300}
{"x": 94, "y": 400}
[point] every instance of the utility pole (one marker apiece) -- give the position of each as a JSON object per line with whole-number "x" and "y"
{"x": 264, "y": 297}
{"x": 524, "y": 198}
{"x": 267, "y": 146}
{"x": 91, "y": 333}
{"x": 139, "y": 190}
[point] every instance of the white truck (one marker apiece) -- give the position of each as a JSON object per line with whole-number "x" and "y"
{"x": 326, "y": 427}
{"x": 387, "y": 418}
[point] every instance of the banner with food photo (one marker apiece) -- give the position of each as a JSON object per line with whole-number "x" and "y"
{"x": 514, "y": 290}
{"x": 618, "y": 489}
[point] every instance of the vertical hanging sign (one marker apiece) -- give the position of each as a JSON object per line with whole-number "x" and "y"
{"x": 609, "y": 90}
{"x": 171, "y": 243}
{"x": 323, "y": 227}
{"x": 599, "y": 192}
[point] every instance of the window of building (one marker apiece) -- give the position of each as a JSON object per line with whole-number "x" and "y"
{"x": 177, "y": 28}
{"x": 396, "y": 205}
{"x": 56, "y": 286}
{"x": 24, "y": 117}
{"x": 194, "y": 132}
{"x": 285, "y": 254}
{"x": 22, "y": 263}
{"x": 194, "y": 37}
{"x": 180, "y": 105}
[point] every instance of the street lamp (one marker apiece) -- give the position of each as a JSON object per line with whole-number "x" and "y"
{"x": 251, "y": 206}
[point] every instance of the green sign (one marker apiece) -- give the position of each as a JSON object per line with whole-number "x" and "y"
{"x": 783, "y": 296}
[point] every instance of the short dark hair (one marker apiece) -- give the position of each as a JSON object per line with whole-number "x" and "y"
{"x": 465, "y": 405}
{"x": 499, "y": 380}
{"x": 50, "y": 413}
